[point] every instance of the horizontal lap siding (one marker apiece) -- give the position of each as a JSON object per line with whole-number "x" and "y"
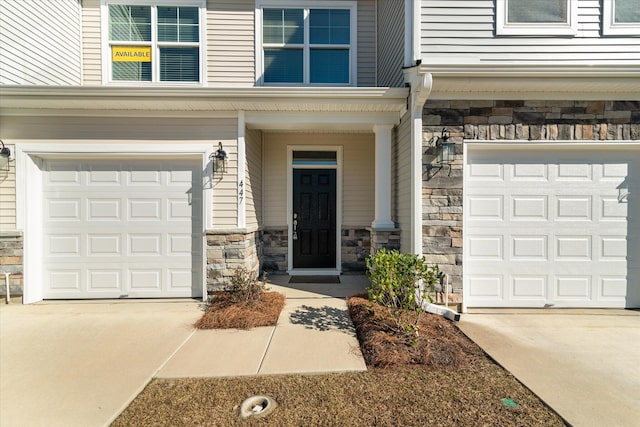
{"x": 253, "y": 177}
{"x": 458, "y": 31}
{"x": 40, "y": 42}
{"x": 91, "y": 48}
{"x": 230, "y": 42}
{"x": 366, "y": 43}
{"x": 118, "y": 132}
{"x": 390, "y": 25}
{"x": 358, "y": 175}
{"x": 402, "y": 178}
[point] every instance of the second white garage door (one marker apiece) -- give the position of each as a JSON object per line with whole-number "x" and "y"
{"x": 122, "y": 228}
{"x": 551, "y": 227}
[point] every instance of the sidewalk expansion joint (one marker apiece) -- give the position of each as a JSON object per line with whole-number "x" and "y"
{"x": 266, "y": 350}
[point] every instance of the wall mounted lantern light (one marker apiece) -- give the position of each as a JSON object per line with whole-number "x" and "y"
{"x": 5, "y": 155}
{"x": 219, "y": 159}
{"x": 445, "y": 148}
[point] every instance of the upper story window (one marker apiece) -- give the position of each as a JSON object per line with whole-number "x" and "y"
{"x": 155, "y": 42}
{"x": 539, "y": 17}
{"x": 313, "y": 44}
{"x": 621, "y": 17}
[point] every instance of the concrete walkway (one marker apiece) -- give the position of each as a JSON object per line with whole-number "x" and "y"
{"x": 585, "y": 364}
{"x": 314, "y": 334}
{"x": 81, "y": 363}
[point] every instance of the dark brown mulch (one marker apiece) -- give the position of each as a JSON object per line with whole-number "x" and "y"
{"x": 225, "y": 313}
{"x": 438, "y": 341}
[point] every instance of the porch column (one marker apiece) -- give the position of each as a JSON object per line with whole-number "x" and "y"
{"x": 382, "y": 219}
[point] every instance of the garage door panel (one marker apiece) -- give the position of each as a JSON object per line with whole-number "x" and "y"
{"x": 551, "y": 227}
{"x": 124, "y": 228}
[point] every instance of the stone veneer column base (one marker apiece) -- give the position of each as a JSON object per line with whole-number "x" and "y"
{"x": 228, "y": 250}
{"x": 11, "y": 261}
{"x": 388, "y": 239}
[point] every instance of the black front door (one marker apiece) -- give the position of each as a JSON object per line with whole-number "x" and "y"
{"x": 314, "y": 218}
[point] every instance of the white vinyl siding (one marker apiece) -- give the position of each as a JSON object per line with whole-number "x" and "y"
{"x": 403, "y": 181}
{"x": 463, "y": 31}
{"x": 390, "y": 23}
{"x": 358, "y": 175}
{"x": 230, "y": 42}
{"x": 253, "y": 177}
{"x": 8, "y": 195}
{"x": 40, "y": 42}
{"x": 91, "y": 44}
{"x": 118, "y": 132}
{"x": 366, "y": 61}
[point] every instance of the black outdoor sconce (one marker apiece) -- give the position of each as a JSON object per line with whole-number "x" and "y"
{"x": 446, "y": 148}
{"x": 5, "y": 155}
{"x": 219, "y": 159}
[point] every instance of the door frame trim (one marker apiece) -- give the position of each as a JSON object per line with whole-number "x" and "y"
{"x": 29, "y": 195}
{"x": 338, "y": 167}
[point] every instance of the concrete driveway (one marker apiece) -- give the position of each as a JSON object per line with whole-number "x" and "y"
{"x": 81, "y": 363}
{"x": 585, "y": 364}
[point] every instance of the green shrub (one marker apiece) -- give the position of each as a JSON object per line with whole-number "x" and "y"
{"x": 401, "y": 282}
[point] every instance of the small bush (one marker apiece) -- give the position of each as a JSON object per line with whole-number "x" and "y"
{"x": 401, "y": 282}
{"x": 245, "y": 287}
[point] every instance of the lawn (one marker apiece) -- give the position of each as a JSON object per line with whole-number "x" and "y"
{"x": 436, "y": 378}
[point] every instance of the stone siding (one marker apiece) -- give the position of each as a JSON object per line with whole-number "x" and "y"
{"x": 274, "y": 249}
{"x": 356, "y": 246}
{"x": 227, "y": 251}
{"x": 11, "y": 256}
{"x": 388, "y": 239}
{"x": 494, "y": 120}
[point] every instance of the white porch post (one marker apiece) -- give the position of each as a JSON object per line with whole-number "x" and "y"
{"x": 242, "y": 158}
{"x": 382, "y": 219}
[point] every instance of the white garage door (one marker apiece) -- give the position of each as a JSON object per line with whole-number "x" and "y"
{"x": 554, "y": 227}
{"x": 122, "y": 228}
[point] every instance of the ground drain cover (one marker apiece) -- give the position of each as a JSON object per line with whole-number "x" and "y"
{"x": 257, "y": 406}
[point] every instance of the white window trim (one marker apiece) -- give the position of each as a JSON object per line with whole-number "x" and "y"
{"x": 155, "y": 79}
{"x": 569, "y": 28}
{"x": 311, "y": 4}
{"x": 610, "y": 27}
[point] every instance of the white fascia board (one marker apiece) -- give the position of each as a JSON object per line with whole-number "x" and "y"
{"x": 539, "y": 69}
{"x": 250, "y": 93}
{"x": 288, "y": 120}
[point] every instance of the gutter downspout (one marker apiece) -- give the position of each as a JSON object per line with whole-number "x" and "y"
{"x": 6, "y": 282}
{"x": 420, "y": 84}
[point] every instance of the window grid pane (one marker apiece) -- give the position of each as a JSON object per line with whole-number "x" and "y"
{"x": 283, "y": 26}
{"x": 329, "y": 26}
{"x": 129, "y": 23}
{"x": 537, "y": 11}
{"x": 179, "y": 64}
{"x": 178, "y": 24}
{"x": 626, "y": 11}
{"x": 131, "y": 71}
{"x": 283, "y": 65}
{"x": 329, "y": 66}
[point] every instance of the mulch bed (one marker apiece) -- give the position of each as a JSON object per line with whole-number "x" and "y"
{"x": 225, "y": 313}
{"x": 438, "y": 341}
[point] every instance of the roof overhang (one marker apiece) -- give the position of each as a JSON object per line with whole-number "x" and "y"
{"x": 568, "y": 81}
{"x": 101, "y": 99}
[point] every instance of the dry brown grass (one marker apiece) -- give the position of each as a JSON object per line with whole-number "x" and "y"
{"x": 443, "y": 379}
{"x": 398, "y": 396}
{"x": 225, "y": 313}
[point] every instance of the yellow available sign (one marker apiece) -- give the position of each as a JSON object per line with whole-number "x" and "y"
{"x": 131, "y": 53}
